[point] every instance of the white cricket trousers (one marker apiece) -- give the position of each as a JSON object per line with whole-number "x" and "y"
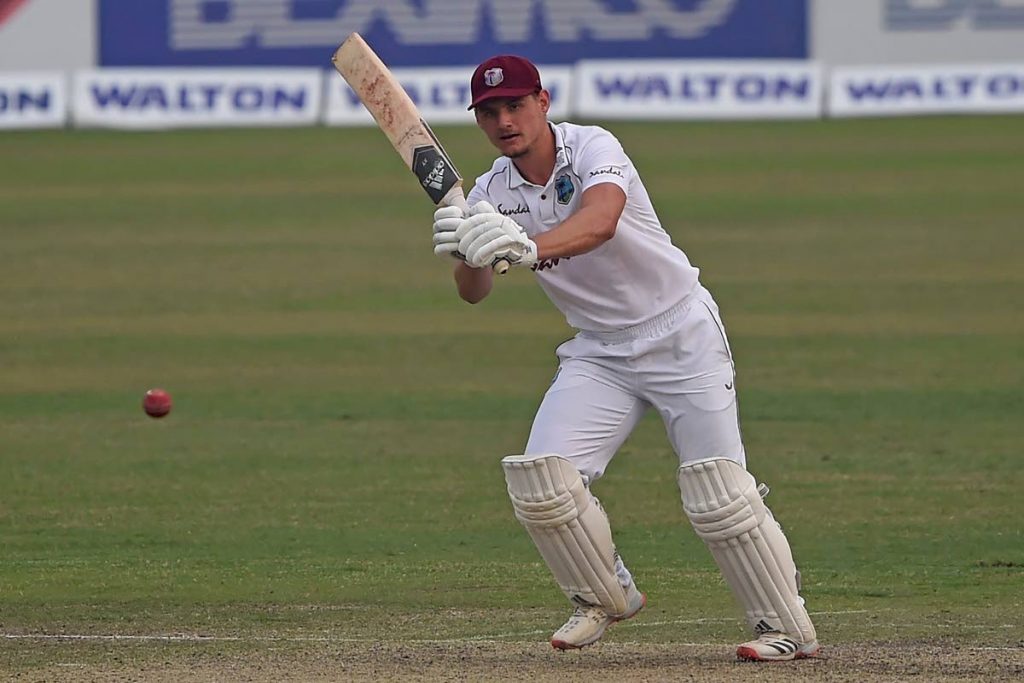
{"x": 678, "y": 362}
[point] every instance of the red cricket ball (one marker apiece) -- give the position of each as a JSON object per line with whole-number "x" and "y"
{"x": 156, "y": 403}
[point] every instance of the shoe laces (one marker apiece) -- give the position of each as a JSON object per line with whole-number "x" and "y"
{"x": 585, "y": 613}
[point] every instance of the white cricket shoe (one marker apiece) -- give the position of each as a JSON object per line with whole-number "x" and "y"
{"x": 587, "y": 624}
{"x": 775, "y": 647}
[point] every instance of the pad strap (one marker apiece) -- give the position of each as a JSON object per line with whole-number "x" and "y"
{"x": 569, "y": 528}
{"x": 724, "y": 505}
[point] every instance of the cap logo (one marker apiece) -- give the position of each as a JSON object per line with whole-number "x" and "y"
{"x": 493, "y": 77}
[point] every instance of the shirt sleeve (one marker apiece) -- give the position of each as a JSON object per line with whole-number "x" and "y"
{"x": 602, "y": 160}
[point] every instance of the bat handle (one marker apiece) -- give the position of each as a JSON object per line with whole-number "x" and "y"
{"x": 456, "y": 198}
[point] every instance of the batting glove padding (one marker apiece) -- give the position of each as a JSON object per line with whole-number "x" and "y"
{"x": 447, "y": 220}
{"x": 487, "y": 236}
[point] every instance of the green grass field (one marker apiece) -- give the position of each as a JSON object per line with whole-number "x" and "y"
{"x": 330, "y": 469}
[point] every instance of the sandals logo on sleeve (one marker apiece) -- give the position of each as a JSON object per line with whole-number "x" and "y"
{"x": 564, "y": 189}
{"x": 607, "y": 170}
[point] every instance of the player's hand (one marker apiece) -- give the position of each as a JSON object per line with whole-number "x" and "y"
{"x": 487, "y": 236}
{"x": 447, "y": 220}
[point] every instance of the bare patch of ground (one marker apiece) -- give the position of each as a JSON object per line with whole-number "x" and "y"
{"x": 538, "y": 663}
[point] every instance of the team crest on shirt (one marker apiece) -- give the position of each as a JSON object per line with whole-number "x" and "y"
{"x": 564, "y": 189}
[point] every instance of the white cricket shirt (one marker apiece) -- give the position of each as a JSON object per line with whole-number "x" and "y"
{"x": 629, "y": 279}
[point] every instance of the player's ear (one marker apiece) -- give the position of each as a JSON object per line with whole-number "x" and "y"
{"x": 544, "y": 99}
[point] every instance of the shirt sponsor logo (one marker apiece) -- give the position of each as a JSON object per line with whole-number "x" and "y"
{"x": 610, "y": 170}
{"x": 547, "y": 263}
{"x": 520, "y": 209}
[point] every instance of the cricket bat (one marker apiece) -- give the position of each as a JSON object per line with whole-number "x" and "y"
{"x": 397, "y": 116}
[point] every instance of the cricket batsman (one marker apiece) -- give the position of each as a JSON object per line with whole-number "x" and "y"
{"x": 565, "y": 201}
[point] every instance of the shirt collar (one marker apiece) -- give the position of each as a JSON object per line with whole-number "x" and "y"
{"x": 515, "y": 179}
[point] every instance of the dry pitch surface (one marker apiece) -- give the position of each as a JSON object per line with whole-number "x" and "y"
{"x": 536, "y": 662}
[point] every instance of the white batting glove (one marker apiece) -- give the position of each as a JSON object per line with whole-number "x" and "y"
{"x": 487, "y": 236}
{"x": 446, "y": 221}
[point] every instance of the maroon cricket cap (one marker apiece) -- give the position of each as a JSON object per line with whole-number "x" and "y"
{"x": 504, "y": 76}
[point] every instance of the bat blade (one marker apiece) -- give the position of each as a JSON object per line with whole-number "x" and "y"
{"x": 400, "y": 120}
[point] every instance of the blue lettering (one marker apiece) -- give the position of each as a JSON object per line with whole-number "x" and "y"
{"x": 751, "y": 88}
{"x": 23, "y": 100}
{"x": 870, "y": 90}
{"x": 707, "y": 87}
{"x": 152, "y": 95}
{"x": 198, "y": 97}
{"x": 113, "y": 95}
{"x": 713, "y": 82}
{"x": 211, "y": 92}
{"x": 907, "y": 86}
{"x": 1004, "y": 85}
{"x": 184, "y": 101}
{"x": 657, "y": 86}
{"x": 700, "y": 87}
{"x": 966, "y": 84}
{"x": 449, "y": 95}
{"x": 247, "y": 98}
{"x": 687, "y": 91}
{"x": 27, "y": 100}
{"x": 295, "y": 100}
{"x": 800, "y": 88}
{"x": 616, "y": 87}
{"x": 437, "y": 97}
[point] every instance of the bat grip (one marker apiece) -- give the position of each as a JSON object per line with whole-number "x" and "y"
{"x": 457, "y": 199}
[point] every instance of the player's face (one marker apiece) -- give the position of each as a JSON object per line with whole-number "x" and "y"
{"x": 514, "y": 125}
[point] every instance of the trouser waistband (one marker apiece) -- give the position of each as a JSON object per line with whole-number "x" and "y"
{"x": 649, "y": 328}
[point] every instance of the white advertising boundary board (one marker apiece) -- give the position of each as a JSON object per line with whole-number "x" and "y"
{"x": 33, "y": 99}
{"x": 182, "y": 98}
{"x": 440, "y": 93}
{"x": 683, "y": 89}
{"x": 911, "y": 90}
{"x": 596, "y": 90}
